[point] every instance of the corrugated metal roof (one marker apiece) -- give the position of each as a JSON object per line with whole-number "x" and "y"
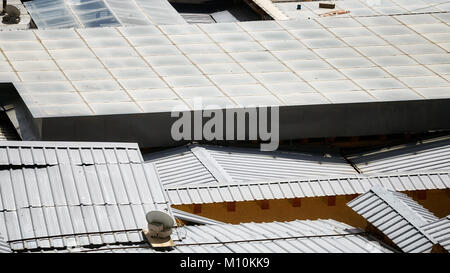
{"x": 179, "y": 167}
{"x": 307, "y": 187}
{"x": 252, "y": 164}
{"x": 279, "y": 237}
{"x": 399, "y": 217}
{"x": 440, "y": 231}
{"x": 203, "y": 164}
{"x": 433, "y": 154}
{"x": 196, "y": 219}
{"x": 57, "y": 194}
{"x": 4, "y": 247}
{"x": 30, "y": 153}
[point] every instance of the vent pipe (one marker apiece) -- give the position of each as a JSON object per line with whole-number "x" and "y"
{"x": 159, "y": 224}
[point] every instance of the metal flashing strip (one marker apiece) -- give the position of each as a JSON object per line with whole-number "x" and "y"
{"x": 71, "y": 144}
{"x": 305, "y": 187}
{"x": 211, "y": 164}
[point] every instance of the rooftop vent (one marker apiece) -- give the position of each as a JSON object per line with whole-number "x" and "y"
{"x": 159, "y": 229}
{"x": 12, "y": 14}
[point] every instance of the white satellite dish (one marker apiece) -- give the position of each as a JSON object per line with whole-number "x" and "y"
{"x": 12, "y": 15}
{"x": 159, "y": 224}
{"x": 12, "y": 11}
{"x": 160, "y": 217}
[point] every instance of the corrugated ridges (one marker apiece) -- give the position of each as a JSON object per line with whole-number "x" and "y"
{"x": 251, "y": 164}
{"x": 203, "y": 164}
{"x": 54, "y": 199}
{"x": 279, "y": 237}
{"x": 60, "y": 185}
{"x": 397, "y": 216}
{"x": 76, "y": 153}
{"x": 440, "y": 230}
{"x": 179, "y": 167}
{"x": 425, "y": 215}
{"x": 4, "y": 247}
{"x": 73, "y": 226}
{"x": 433, "y": 154}
{"x": 299, "y": 188}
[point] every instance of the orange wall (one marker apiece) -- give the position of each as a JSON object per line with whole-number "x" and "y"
{"x": 437, "y": 201}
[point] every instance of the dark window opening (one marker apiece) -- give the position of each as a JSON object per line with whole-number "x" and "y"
{"x": 215, "y": 11}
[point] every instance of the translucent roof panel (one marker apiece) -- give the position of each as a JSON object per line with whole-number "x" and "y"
{"x": 128, "y": 12}
{"x": 49, "y": 14}
{"x": 366, "y": 9}
{"x": 160, "y": 12}
{"x": 320, "y": 65}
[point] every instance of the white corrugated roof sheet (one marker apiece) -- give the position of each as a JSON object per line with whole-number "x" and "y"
{"x": 4, "y": 246}
{"x": 58, "y": 194}
{"x": 440, "y": 231}
{"x": 305, "y": 236}
{"x": 432, "y": 154}
{"x": 399, "y": 217}
{"x": 306, "y": 187}
{"x": 204, "y": 164}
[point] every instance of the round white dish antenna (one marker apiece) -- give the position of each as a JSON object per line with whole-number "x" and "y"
{"x": 159, "y": 217}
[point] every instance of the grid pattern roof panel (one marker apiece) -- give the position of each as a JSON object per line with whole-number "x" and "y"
{"x": 4, "y": 246}
{"x": 399, "y": 217}
{"x": 363, "y": 8}
{"x": 316, "y": 236}
{"x": 56, "y": 194}
{"x": 427, "y": 155}
{"x": 154, "y": 68}
{"x": 304, "y": 188}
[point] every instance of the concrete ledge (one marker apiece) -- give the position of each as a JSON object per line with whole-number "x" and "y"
{"x": 308, "y": 121}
